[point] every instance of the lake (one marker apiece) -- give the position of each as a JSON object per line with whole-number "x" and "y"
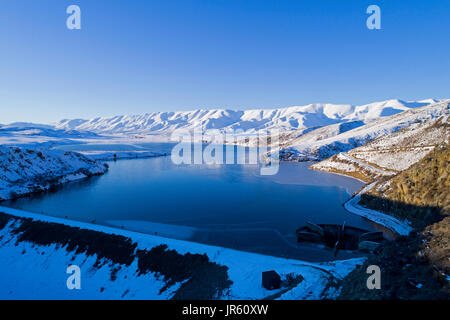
{"x": 226, "y": 205}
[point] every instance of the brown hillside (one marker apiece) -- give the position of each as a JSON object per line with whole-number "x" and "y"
{"x": 417, "y": 266}
{"x": 419, "y": 194}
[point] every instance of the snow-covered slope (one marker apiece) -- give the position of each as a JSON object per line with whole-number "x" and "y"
{"x": 250, "y": 121}
{"x": 32, "y": 135}
{"x": 423, "y": 129}
{"x": 120, "y": 264}
{"x": 330, "y": 140}
{"x": 24, "y": 171}
{"x": 44, "y": 131}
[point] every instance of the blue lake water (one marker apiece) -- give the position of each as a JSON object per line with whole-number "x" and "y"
{"x": 227, "y": 205}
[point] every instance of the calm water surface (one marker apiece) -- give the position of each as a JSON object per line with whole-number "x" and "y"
{"x": 228, "y": 205}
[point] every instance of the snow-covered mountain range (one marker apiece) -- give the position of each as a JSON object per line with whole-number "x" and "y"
{"x": 250, "y": 121}
{"x": 395, "y": 152}
{"x": 329, "y": 140}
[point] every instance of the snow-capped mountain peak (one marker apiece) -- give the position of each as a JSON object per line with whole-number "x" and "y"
{"x": 251, "y": 121}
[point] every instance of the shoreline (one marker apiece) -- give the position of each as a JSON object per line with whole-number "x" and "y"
{"x": 125, "y": 232}
{"x": 393, "y": 224}
{"x": 122, "y": 155}
{"x": 383, "y": 219}
{"x": 337, "y": 173}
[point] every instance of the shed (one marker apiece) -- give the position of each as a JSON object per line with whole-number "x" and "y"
{"x": 271, "y": 280}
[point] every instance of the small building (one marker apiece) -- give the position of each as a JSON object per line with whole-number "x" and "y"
{"x": 271, "y": 280}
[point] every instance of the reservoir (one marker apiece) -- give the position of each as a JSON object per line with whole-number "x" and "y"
{"x": 225, "y": 205}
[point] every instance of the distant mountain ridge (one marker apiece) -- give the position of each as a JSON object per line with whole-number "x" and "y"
{"x": 393, "y": 146}
{"x": 249, "y": 121}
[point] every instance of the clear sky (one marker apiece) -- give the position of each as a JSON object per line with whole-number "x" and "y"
{"x": 136, "y": 56}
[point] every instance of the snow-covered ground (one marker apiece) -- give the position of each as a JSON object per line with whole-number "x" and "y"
{"x": 28, "y": 270}
{"x": 393, "y": 224}
{"x": 344, "y": 163}
{"x": 32, "y": 135}
{"x": 93, "y": 146}
{"x": 24, "y": 171}
{"x": 327, "y": 141}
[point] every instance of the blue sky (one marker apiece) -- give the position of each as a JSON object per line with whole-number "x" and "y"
{"x": 132, "y": 57}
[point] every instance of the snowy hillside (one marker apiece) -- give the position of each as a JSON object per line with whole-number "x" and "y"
{"x": 32, "y": 135}
{"x": 397, "y": 151}
{"x": 250, "y": 121}
{"x": 330, "y": 140}
{"x": 23, "y": 171}
{"x": 35, "y": 251}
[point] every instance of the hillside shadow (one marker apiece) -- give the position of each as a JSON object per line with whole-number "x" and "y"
{"x": 419, "y": 216}
{"x": 412, "y": 267}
